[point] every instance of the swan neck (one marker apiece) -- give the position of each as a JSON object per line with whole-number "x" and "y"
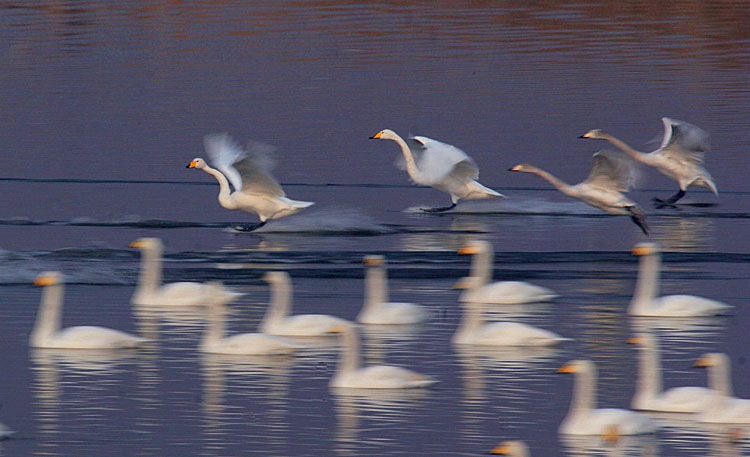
{"x": 559, "y": 184}
{"x": 49, "y": 317}
{"x": 214, "y": 331}
{"x": 224, "y": 190}
{"x": 281, "y": 300}
{"x": 626, "y": 148}
{"x": 376, "y": 287}
{"x": 647, "y": 284}
{"x": 349, "y": 360}
{"x": 649, "y": 382}
{"x": 149, "y": 278}
{"x": 719, "y": 378}
{"x": 471, "y": 321}
{"x": 584, "y": 395}
{"x": 411, "y": 166}
{"x": 481, "y": 266}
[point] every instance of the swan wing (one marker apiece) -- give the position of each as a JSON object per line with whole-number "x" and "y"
{"x": 247, "y": 169}
{"x": 255, "y": 343}
{"x": 91, "y": 337}
{"x": 508, "y": 292}
{"x": 683, "y": 142}
{"x": 307, "y": 325}
{"x": 685, "y": 399}
{"x": 386, "y": 376}
{"x": 611, "y": 171}
{"x": 689, "y": 305}
{"x": 437, "y": 160}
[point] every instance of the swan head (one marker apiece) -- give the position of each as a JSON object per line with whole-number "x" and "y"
{"x": 276, "y": 277}
{"x": 710, "y": 359}
{"x": 48, "y": 278}
{"x": 594, "y": 134}
{"x": 374, "y": 260}
{"x": 512, "y": 448}
{"x": 197, "y": 163}
{"x": 386, "y": 134}
{"x": 524, "y": 168}
{"x": 474, "y": 247}
{"x": 575, "y": 366}
{"x": 645, "y": 249}
{"x": 145, "y": 243}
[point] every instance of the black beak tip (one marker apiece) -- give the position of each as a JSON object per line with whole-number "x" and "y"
{"x": 187, "y": 166}
{"x": 582, "y": 136}
{"x": 373, "y": 138}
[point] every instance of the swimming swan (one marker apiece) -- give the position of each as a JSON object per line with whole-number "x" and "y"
{"x": 277, "y": 320}
{"x": 646, "y": 303}
{"x": 215, "y": 342}
{"x": 511, "y": 449}
{"x": 610, "y": 176}
{"x": 725, "y": 408}
{"x": 500, "y": 292}
{"x": 151, "y": 291}
{"x": 47, "y": 332}
{"x": 441, "y": 166}
{"x": 584, "y": 418}
{"x": 377, "y": 309}
{"x": 649, "y": 394}
{"x": 255, "y": 190}
{"x": 349, "y": 373}
{"x": 680, "y": 156}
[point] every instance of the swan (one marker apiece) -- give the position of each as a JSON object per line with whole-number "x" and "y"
{"x": 441, "y": 166}
{"x": 255, "y": 190}
{"x": 645, "y": 302}
{"x": 215, "y": 342}
{"x": 47, "y": 332}
{"x": 151, "y": 291}
{"x": 5, "y": 431}
{"x": 680, "y": 156}
{"x": 584, "y": 418}
{"x": 649, "y": 394}
{"x": 377, "y": 309}
{"x": 500, "y": 292}
{"x": 349, "y": 373}
{"x": 277, "y": 320}
{"x": 610, "y": 176}
{"x": 512, "y": 449}
{"x": 473, "y": 330}
{"x": 725, "y": 408}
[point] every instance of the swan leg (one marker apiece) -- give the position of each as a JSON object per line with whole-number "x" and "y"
{"x": 249, "y": 227}
{"x": 438, "y": 210}
{"x": 670, "y": 202}
{"x": 638, "y": 217}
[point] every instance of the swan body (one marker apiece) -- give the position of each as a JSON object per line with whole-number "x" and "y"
{"x": 649, "y": 394}
{"x": 277, "y": 320}
{"x": 680, "y": 155}
{"x": 350, "y": 374}
{"x": 511, "y": 449}
{"x": 215, "y": 342}
{"x": 725, "y": 407}
{"x": 645, "y": 302}
{"x": 151, "y": 291}
{"x": 256, "y": 191}
{"x": 584, "y": 418}
{"x": 377, "y": 309}
{"x": 441, "y": 166}
{"x": 500, "y": 292}
{"x": 610, "y": 176}
{"x": 47, "y": 332}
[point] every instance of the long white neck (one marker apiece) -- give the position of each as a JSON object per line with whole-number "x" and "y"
{"x": 376, "y": 287}
{"x": 481, "y": 265}
{"x": 149, "y": 278}
{"x": 584, "y": 395}
{"x": 719, "y": 375}
{"x": 647, "y": 285}
{"x": 649, "y": 382}
{"x": 214, "y": 331}
{"x": 559, "y": 184}
{"x": 224, "y": 191}
{"x": 624, "y": 147}
{"x": 49, "y": 316}
{"x": 281, "y": 302}
{"x": 471, "y": 320}
{"x": 349, "y": 361}
{"x": 411, "y": 167}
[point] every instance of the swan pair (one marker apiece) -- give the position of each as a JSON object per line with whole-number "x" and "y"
{"x": 441, "y": 166}
{"x": 256, "y": 191}
{"x": 680, "y": 156}
{"x": 47, "y": 332}
{"x": 646, "y": 303}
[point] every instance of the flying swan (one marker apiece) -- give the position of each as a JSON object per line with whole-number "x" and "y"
{"x": 377, "y": 309}
{"x": 680, "y": 156}
{"x": 441, "y": 166}
{"x": 646, "y": 303}
{"x": 47, "y": 332}
{"x": 151, "y": 291}
{"x": 610, "y": 176}
{"x": 255, "y": 190}
{"x": 725, "y": 408}
{"x": 500, "y": 292}
{"x": 350, "y": 374}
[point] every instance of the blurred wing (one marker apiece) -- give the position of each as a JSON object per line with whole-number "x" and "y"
{"x": 436, "y": 160}
{"x": 683, "y": 141}
{"x": 222, "y": 151}
{"x": 247, "y": 170}
{"x": 611, "y": 170}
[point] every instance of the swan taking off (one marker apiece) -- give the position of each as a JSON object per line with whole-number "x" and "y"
{"x": 725, "y": 408}
{"x": 441, "y": 166}
{"x": 500, "y": 292}
{"x": 377, "y": 309}
{"x": 151, "y": 291}
{"x": 277, "y": 320}
{"x": 610, "y": 176}
{"x": 47, "y": 332}
{"x": 255, "y": 190}
{"x": 645, "y": 301}
{"x": 349, "y": 373}
{"x": 584, "y": 418}
{"x": 680, "y": 156}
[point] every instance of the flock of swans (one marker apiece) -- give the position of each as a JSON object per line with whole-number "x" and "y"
{"x": 447, "y": 168}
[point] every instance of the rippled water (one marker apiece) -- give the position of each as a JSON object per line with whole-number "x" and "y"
{"x": 104, "y": 104}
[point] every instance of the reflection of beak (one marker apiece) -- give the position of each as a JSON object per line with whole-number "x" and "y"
{"x": 337, "y": 330}
{"x": 374, "y": 262}
{"x": 467, "y": 250}
{"x": 641, "y": 250}
{"x": 635, "y": 340}
{"x": 567, "y": 368}
{"x": 376, "y": 136}
{"x": 190, "y": 165}
{"x": 44, "y": 281}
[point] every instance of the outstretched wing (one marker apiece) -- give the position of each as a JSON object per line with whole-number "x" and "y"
{"x": 437, "y": 160}
{"x": 611, "y": 170}
{"x": 247, "y": 170}
{"x": 683, "y": 141}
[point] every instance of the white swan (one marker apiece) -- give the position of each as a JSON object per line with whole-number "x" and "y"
{"x": 610, "y": 176}
{"x": 511, "y": 449}
{"x": 584, "y": 418}
{"x": 47, "y": 332}
{"x": 277, "y": 320}
{"x": 500, "y": 292}
{"x": 441, "y": 166}
{"x": 215, "y": 342}
{"x": 725, "y": 408}
{"x": 680, "y": 156}
{"x": 349, "y": 373}
{"x": 649, "y": 394}
{"x": 646, "y": 303}
{"x": 377, "y": 309}
{"x": 151, "y": 291}
{"x": 255, "y": 190}
{"x": 473, "y": 330}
